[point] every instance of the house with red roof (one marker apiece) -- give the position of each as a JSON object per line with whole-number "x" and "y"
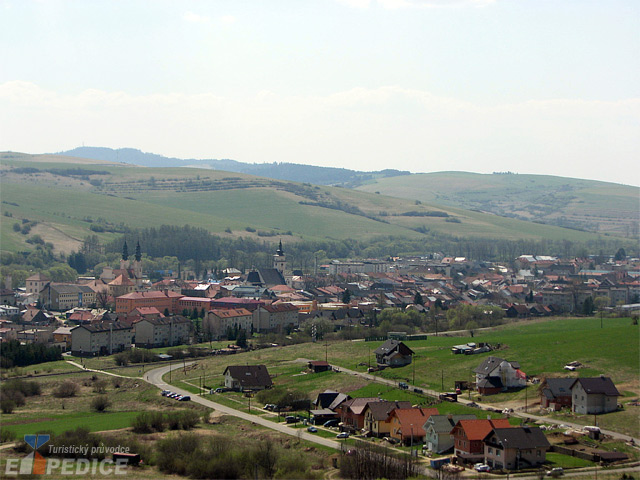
{"x": 407, "y": 424}
{"x": 469, "y": 435}
{"x": 218, "y": 321}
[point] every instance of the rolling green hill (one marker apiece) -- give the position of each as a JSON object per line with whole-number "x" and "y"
{"x": 66, "y": 199}
{"x": 568, "y": 202}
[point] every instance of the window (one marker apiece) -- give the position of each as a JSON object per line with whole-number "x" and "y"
{"x": 538, "y": 453}
{"x": 490, "y": 450}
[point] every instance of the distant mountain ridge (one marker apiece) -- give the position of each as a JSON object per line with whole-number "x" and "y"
{"x": 294, "y": 172}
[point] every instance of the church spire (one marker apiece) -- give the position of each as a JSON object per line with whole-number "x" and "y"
{"x": 280, "y": 251}
{"x": 125, "y": 251}
{"x": 138, "y": 252}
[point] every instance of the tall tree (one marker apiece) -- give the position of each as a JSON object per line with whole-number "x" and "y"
{"x": 125, "y": 251}
{"x": 417, "y": 299}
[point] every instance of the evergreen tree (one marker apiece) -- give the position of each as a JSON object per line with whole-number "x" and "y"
{"x": 620, "y": 255}
{"x": 588, "y": 307}
{"x": 241, "y": 339}
{"x": 346, "y": 296}
{"x": 417, "y": 299}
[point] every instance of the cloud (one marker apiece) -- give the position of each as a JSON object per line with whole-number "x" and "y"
{"x": 361, "y": 128}
{"x": 195, "y": 18}
{"x": 228, "y": 19}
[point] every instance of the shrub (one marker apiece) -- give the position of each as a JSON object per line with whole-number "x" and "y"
{"x": 188, "y": 419}
{"x": 15, "y": 396}
{"x": 121, "y": 359}
{"x": 101, "y": 403}
{"x": 66, "y": 389}
{"x": 100, "y": 386}
{"x": 7, "y": 405}
{"x": 7, "y": 435}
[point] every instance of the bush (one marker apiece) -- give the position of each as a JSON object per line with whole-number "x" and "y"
{"x": 100, "y": 386}
{"x": 66, "y": 389}
{"x": 101, "y": 403}
{"x": 7, "y": 436}
{"x": 121, "y": 359}
{"x": 7, "y": 405}
{"x": 15, "y": 396}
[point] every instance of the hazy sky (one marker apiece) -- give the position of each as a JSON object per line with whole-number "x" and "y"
{"x": 529, "y": 86}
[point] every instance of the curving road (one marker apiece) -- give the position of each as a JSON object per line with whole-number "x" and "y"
{"x": 154, "y": 377}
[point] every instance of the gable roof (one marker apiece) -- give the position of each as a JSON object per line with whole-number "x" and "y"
{"x": 250, "y": 375}
{"x": 598, "y": 385}
{"x": 380, "y": 410}
{"x": 558, "y": 387}
{"x": 444, "y": 423}
{"x": 414, "y": 416}
{"x": 391, "y": 345}
{"x": 480, "y": 428}
{"x": 357, "y": 405}
{"x": 491, "y": 363}
{"x": 520, "y": 437}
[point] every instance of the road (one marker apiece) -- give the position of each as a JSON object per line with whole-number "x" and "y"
{"x": 154, "y": 377}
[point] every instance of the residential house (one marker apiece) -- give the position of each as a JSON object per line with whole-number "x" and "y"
{"x": 8, "y": 297}
{"x": 468, "y": 437}
{"x": 377, "y": 420}
{"x": 121, "y": 285}
{"x": 352, "y": 411}
{"x": 495, "y": 374}
{"x": 594, "y": 395}
{"x": 438, "y": 437}
{"x": 35, "y": 335}
{"x": 217, "y": 322}
{"x": 407, "y": 424}
{"x": 276, "y": 317}
{"x": 515, "y": 448}
{"x": 36, "y": 316}
{"x": 555, "y": 393}
{"x": 317, "y": 366}
{"x": 247, "y": 377}
{"x": 62, "y": 336}
{"x": 35, "y": 283}
{"x": 162, "y": 332}
{"x": 393, "y": 353}
{"x": 100, "y": 339}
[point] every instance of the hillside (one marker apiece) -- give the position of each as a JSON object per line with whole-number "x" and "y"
{"x": 66, "y": 201}
{"x": 294, "y": 172}
{"x": 569, "y": 202}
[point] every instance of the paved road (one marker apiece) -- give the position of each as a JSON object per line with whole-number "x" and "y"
{"x": 155, "y": 378}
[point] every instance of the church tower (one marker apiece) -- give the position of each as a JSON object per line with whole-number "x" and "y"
{"x": 124, "y": 261}
{"x": 137, "y": 265}
{"x": 280, "y": 260}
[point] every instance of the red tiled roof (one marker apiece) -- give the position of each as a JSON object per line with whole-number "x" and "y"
{"x": 478, "y": 429}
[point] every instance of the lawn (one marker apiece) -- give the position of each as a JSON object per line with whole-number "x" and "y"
{"x": 566, "y": 461}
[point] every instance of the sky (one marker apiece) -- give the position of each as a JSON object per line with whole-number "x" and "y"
{"x": 527, "y": 86}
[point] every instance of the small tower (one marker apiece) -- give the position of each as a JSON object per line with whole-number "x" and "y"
{"x": 137, "y": 265}
{"x": 124, "y": 262}
{"x": 280, "y": 260}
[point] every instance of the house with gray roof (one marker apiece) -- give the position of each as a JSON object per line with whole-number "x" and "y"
{"x": 438, "y": 428}
{"x": 247, "y": 377}
{"x": 555, "y": 393}
{"x": 393, "y": 353}
{"x": 594, "y": 395}
{"x": 515, "y": 448}
{"x": 495, "y": 374}
{"x": 100, "y": 338}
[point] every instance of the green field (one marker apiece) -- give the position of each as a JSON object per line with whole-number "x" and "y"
{"x": 592, "y": 205}
{"x": 67, "y": 206}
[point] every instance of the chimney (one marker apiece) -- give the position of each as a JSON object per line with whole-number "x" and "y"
{"x": 450, "y": 417}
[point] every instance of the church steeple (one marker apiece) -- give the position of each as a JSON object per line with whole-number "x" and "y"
{"x": 125, "y": 251}
{"x": 279, "y": 260}
{"x": 138, "y": 252}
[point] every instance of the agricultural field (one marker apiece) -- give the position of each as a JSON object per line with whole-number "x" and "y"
{"x": 585, "y": 204}
{"x": 67, "y": 203}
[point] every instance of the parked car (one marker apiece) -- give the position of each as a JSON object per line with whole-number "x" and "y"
{"x": 164, "y": 393}
{"x": 290, "y": 419}
{"x": 403, "y": 385}
{"x": 186, "y": 398}
{"x": 312, "y": 429}
{"x": 331, "y": 423}
{"x": 221, "y": 390}
{"x": 342, "y": 435}
{"x": 178, "y": 397}
{"x": 555, "y": 472}
{"x": 482, "y": 467}
{"x": 390, "y": 440}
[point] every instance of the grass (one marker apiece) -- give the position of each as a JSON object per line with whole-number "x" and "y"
{"x": 94, "y": 422}
{"x": 566, "y": 461}
{"x": 63, "y": 205}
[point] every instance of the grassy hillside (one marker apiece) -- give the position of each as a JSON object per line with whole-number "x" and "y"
{"x": 70, "y": 198}
{"x": 586, "y": 204}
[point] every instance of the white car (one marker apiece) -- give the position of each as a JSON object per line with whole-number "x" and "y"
{"x": 481, "y": 467}
{"x": 571, "y": 368}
